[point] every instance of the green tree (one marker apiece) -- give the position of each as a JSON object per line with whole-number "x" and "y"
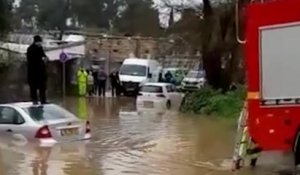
{"x": 211, "y": 29}
{"x": 220, "y": 49}
{"x": 27, "y": 10}
{"x": 5, "y": 14}
{"x": 96, "y": 13}
{"x": 139, "y": 18}
{"x": 53, "y": 15}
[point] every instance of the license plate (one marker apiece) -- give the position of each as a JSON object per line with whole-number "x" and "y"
{"x": 130, "y": 89}
{"x": 69, "y": 132}
{"x": 148, "y": 104}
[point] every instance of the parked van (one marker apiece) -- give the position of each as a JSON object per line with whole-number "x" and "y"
{"x": 134, "y": 72}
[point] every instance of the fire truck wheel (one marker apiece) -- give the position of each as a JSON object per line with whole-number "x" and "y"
{"x": 297, "y": 150}
{"x": 253, "y": 162}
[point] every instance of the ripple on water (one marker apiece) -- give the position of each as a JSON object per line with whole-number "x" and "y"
{"x": 127, "y": 143}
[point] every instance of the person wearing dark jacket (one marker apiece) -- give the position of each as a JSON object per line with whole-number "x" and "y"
{"x": 95, "y": 76}
{"x": 160, "y": 77}
{"x": 36, "y": 71}
{"x": 115, "y": 83}
{"x": 102, "y": 78}
{"x": 168, "y": 77}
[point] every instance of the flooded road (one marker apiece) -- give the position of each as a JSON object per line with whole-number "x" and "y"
{"x": 127, "y": 143}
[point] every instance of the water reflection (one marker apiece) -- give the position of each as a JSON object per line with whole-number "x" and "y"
{"x": 125, "y": 142}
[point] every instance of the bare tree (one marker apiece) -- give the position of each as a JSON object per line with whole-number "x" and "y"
{"x": 213, "y": 26}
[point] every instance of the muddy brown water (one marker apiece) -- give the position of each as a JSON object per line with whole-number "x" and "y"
{"x": 128, "y": 143}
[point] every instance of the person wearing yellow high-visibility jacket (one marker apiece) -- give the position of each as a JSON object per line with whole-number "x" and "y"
{"x": 82, "y": 76}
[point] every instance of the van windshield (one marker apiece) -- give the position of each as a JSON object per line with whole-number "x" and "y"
{"x": 133, "y": 70}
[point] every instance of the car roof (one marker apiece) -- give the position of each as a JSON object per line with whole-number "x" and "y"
{"x": 21, "y": 104}
{"x": 157, "y": 84}
{"x": 138, "y": 61}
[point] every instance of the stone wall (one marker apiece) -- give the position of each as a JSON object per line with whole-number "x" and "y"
{"x": 180, "y": 61}
{"x": 111, "y": 51}
{"x": 120, "y": 48}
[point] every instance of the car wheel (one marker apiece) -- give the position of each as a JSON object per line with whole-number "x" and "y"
{"x": 169, "y": 104}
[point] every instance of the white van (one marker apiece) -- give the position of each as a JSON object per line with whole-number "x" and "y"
{"x": 134, "y": 72}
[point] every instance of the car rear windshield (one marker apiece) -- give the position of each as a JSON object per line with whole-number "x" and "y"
{"x": 152, "y": 89}
{"x": 47, "y": 112}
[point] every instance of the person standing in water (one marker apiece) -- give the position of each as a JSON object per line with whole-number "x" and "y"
{"x": 90, "y": 83}
{"x": 115, "y": 83}
{"x": 95, "y": 76}
{"x": 82, "y": 78}
{"x": 36, "y": 71}
{"x": 102, "y": 78}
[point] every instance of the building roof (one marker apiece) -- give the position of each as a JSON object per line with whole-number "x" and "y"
{"x": 74, "y": 38}
{"x": 15, "y": 47}
{"x": 73, "y": 50}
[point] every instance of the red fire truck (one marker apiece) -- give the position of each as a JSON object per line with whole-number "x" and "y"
{"x": 271, "y": 118}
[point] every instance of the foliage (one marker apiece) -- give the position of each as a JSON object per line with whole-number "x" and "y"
{"x": 100, "y": 13}
{"x": 6, "y": 62}
{"x": 210, "y": 28}
{"x": 5, "y": 13}
{"x": 212, "y": 102}
{"x": 139, "y": 18}
{"x": 53, "y": 14}
{"x": 125, "y": 16}
{"x": 28, "y": 10}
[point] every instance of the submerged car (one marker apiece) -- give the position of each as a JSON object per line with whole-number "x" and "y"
{"x": 194, "y": 80}
{"x": 158, "y": 96}
{"x": 45, "y": 124}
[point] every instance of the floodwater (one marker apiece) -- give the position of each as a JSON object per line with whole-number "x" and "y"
{"x": 128, "y": 143}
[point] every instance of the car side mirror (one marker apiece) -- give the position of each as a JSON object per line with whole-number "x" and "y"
{"x": 149, "y": 75}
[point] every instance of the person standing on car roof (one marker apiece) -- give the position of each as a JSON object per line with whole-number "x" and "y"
{"x": 36, "y": 70}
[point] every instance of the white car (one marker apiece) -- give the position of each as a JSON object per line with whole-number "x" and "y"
{"x": 158, "y": 96}
{"x": 194, "y": 80}
{"x": 42, "y": 124}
